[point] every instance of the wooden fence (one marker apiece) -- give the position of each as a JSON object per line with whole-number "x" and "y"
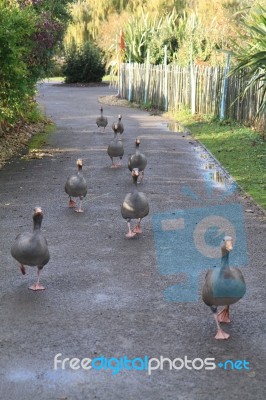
{"x": 201, "y": 90}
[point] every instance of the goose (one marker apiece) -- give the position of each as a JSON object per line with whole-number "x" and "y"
{"x": 115, "y": 149}
{"x": 31, "y": 249}
{"x": 135, "y": 206}
{"x": 223, "y": 286}
{"x": 137, "y": 160}
{"x": 120, "y": 126}
{"x": 102, "y": 121}
{"x": 76, "y": 186}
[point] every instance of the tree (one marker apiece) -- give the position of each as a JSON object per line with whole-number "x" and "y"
{"x": 83, "y": 64}
{"x": 30, "y": 31}
{"x": 52, "y": 17}
{"x": 16, "y": 30}
{"x": 250, "y": 53}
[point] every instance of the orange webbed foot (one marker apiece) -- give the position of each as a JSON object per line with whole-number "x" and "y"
{"x": 221, "y": 335}
{"x": 223, "y": 316}
{"x": 36, "y": 287}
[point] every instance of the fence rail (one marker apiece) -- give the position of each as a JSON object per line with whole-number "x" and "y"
{"x": 201, "y": 88}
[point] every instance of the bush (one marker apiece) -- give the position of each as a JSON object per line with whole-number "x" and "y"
{"x": 16, "y": 87}
{"x": 83, "y": 64}
{"x": 30, "y": 31}
{"x": 55, "y": 68}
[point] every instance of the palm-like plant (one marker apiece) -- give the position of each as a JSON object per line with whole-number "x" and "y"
{"x": 251, "y": 54}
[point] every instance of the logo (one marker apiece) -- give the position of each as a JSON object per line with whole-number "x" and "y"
{"x": 188, "y": 241}
{"x": 145, "y": 363}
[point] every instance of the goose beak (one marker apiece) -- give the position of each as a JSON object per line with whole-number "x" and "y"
{"x": 228, "y": 243}
{"x": 135, "y": 172}
{"x": 38, "y": 210}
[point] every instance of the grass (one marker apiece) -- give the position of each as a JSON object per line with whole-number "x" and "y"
{"x": 55, "y": 79}
{"x": 106, "y": 79}
{"x": 239, "y": 149}
{"x": 39, "y": 140}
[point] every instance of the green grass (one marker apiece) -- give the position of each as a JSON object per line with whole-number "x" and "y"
{"x": 109, "y": 78}
{"x": 55, "y": 79}
{"x": 39, "y": 140}
{"x": 106, "y": 78}
{"x": 239, "y": 149}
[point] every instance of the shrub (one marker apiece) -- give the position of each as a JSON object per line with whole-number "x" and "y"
{"x": 83, "y": 64}
{"x": 30, "y": 31}
{"x": 16, "y": 88}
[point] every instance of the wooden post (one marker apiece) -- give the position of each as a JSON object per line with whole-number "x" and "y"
{"x": 147, "y": 76}
{"x": 193, "y": 83}
{"x": 121, "y": 49}
{"x": 165, "y": 80}
{"x": 129, "y": 79}
{"x": 224, "y": 87}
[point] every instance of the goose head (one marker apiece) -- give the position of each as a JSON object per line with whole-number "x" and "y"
{"x": 38, "y": 211}
{"x": 135, "y": 175}
{"x": 37, "y": 217}
{"x": 227, "y": 245}
{"x": 137, "y": 142}
{"x": 79, "y": 163}
{"x": 119, "y": 117}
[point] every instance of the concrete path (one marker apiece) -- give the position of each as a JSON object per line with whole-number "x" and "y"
{"x": 111, "y": 297}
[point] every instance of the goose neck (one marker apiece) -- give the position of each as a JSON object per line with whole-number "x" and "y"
{"x": 225, "y": 261}
{"x": 37, "y": 222}
{"x": 135, "y": 181}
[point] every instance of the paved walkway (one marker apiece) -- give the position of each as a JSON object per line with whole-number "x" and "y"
{"x": 112, "y": 297}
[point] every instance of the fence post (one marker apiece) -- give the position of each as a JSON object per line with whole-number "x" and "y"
{"x": 224, "y": 87}
{"x": 193, "y": 83}
{"x": 165, "y": 80}
{"x": 129, "y": 79}
{"x": 147, "y": 74}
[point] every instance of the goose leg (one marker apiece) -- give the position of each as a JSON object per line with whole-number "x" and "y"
{"x": 22, "y": 269}
{"x": 71, "y": 203}
{"x": 223, "y": 315}
{"x": 130, "y": 233}
{"x": 37, "y": 285}
{"x": 141, "y": 176}
{"x": 220, "y": 335}
{"x": 137, "y": 228}
{"x": 79, "y": 209}
{"x": 113, "y": 164}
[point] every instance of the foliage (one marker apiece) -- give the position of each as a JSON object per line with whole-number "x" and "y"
{"x": 88, "y": 16}
{"x": 206, "y": 30}
{"x": 83, "y": 64}
{"x": 250, "y": 53}
{"x": 150, "y": 33}
{"x": 52, "y": 17}
{"x": 30, "y": 31}
{"x": 185, "y": 26}
{"x": 16, "y": 29}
